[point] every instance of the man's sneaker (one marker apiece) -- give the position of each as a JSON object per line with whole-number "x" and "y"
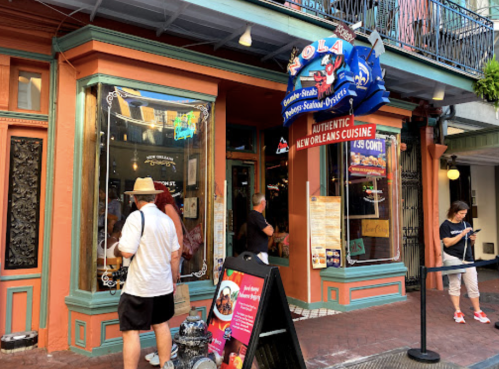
{"x": 459, "y": 317}
{"x": 154, "y": 361}
{"x": 148, "y": 357}
{"x": 482, "y": 317}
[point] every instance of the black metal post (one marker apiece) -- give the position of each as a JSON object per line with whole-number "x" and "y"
{"x": 422, "y": 355}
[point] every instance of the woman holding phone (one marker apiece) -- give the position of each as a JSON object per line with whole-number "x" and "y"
{"x": 458, "y": 237}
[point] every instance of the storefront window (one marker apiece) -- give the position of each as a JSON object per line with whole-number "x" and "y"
{"x": 275, "y": 178}
{"x": 370, "y": 198}
{"x": 141, "y": 134}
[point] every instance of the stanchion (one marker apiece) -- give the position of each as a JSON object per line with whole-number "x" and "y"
{"x": 423, "y": 355}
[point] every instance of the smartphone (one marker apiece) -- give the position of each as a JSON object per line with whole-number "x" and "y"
{"x": 475, "y": 231}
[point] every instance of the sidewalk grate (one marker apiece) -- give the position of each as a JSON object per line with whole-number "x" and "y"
{"x": 395, "y": 359}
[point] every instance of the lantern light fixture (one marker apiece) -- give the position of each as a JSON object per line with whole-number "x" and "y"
{"x": 452, "y": 171}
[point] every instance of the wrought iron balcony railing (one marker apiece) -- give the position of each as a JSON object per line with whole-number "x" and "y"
{"x": 439, "y": 30}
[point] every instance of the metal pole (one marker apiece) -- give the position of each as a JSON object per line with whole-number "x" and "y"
{"x": 423, "y": 308}
{"x": 422, "y": 355}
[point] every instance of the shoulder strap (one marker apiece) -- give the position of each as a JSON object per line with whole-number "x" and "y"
{"x": 143, "y": 222}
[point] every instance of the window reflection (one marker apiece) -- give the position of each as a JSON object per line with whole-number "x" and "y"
{"x": 29, "y": 91}
{"x": 164, "y": 137}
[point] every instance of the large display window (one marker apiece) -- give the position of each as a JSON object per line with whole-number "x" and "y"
{"x": 365, "y": 174}
{"x": 132, "y": 133}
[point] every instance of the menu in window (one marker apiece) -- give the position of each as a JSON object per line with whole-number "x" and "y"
{"x": 325, "y": 225}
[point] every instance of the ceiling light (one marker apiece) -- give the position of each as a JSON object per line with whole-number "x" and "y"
{"x": 453, "y": 172}
{"x": 439, "y": 92}
{"x": 245, "y": 38}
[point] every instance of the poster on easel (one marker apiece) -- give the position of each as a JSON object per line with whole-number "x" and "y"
{"x": 325, "y": 227}
{"x": 249, "y": 319}
{"x": 220, "y": 215}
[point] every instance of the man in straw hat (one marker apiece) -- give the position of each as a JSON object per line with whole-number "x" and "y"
{"x": 147, "y": 297}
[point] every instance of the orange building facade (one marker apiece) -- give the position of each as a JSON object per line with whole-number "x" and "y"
{"x": 62, "y": 144}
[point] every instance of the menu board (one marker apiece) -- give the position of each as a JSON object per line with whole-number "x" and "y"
{"x": 234, "y": 315}
{"x": 219, "y": 236}
{"x": 325, "y": 227}
{"x": 249, "y": 318}
{"x": 368, "y": 158}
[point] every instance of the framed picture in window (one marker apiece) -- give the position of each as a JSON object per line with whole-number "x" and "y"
{"x": 193, "y": 172}
{"x": 363, "y": 198}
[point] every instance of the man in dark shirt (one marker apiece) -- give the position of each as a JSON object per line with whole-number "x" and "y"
{"x": 258, "y": 230}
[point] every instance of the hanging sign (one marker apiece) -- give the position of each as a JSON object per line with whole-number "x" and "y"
{"x": 336, "y": 130}
{"x": 332, "y": 77}
{"x": 368, "y": 158}
{"x": 283, "y": 146}
{"x": 249, "y": 312}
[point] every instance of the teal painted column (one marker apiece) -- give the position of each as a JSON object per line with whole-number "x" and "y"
{"x": 49, "y": 194}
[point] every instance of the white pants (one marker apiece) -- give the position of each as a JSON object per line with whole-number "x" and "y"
{"x": 470, "y": 280}
{"x": 263, "y": 256}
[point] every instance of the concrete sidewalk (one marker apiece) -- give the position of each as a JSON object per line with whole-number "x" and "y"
{"x": 354, "y": 336}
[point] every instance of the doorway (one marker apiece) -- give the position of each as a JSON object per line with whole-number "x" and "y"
{"x": 240, "y": 189}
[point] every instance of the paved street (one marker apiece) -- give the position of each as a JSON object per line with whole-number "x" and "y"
{"x": 347, "y": 337}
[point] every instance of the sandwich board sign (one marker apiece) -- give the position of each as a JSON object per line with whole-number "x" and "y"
{"x": 250, "y": 319}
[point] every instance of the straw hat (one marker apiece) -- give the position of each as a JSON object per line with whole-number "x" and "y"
{"x": 143, "y": 186}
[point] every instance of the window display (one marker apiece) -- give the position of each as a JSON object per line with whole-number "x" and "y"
{"x": 165, "y": 137}
{"x": 369, "y": 170}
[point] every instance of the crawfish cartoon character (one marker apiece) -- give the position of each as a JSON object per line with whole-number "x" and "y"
{"x": 324, "y": 83}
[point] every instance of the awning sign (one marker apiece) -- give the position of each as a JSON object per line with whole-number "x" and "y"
{"x": 331, "y": 78}
{"x": 368, "y": 158}
{"x": 336, "y": 130}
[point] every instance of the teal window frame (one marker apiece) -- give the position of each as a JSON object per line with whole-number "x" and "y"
{"x": 100, "y": 302}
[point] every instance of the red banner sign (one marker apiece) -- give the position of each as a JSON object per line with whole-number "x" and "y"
{"x": 336, "y": 130}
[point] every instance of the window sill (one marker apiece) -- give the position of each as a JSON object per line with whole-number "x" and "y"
{"x": 274, "y": 260}
{"x": 103, "y": 302}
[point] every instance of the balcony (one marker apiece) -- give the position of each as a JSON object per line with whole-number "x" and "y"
{"x": 437, "y": 30}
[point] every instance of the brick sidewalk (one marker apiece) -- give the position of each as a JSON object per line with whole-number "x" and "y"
{"x": 348, "y": 336}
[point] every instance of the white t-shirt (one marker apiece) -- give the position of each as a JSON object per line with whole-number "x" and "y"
{"x": 150, "y": 271}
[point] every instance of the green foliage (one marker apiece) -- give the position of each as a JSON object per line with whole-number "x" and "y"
{"x": 488, "y": 87}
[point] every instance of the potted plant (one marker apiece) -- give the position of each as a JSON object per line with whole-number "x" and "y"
{"x": 488, "y": 87}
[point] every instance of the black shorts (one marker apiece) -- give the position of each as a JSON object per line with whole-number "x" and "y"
{"x": 139, "y": 313}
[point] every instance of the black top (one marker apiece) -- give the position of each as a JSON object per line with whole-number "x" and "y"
{"x": 257, "y": 240}
{"x": 450, "y": 230}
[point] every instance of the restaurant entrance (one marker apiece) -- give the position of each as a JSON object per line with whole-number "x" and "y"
{"x": 240, "y": 189}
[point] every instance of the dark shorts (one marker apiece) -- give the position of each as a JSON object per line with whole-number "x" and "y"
{"x": 139, "y": 313}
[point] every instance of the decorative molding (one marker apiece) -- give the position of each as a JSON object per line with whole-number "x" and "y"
{"x": 373, "y": 286}
{"x": 93, "y": 33}
{"x": 364, "y": 273}
{"x": 24, "y": 122}
{"x": 78, "y": 339}
{"x": 29, "y": 307}
{"x": 26, "y": 54}
{"x": 104, "y": 325}
{"x": 139, "y": 85}
{"x": 401, "y": 104}
{"x": 21, "y": 249}
{"x": 19, "y": 277}
{"x": 336, "y": 290}
{"x": 49, "y": 192}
